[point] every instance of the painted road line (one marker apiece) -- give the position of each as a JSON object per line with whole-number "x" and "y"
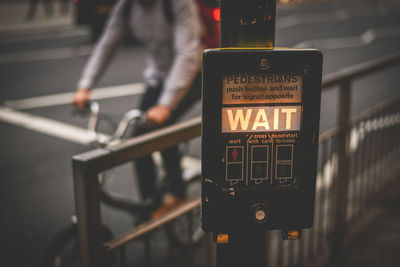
{"x": 352, "y": 41}
{"x": 51, "y": 35}
{"x": 71, "y": 133}
{"x": 328, "y": 16}
{"x": 45, "y": 126}
{"x": 66, "y": 98}
{"x": 33, "y": 27}
{"x": 49, "y": 54}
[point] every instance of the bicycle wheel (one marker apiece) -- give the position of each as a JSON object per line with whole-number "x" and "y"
{"x": 186, "y": 231}
{"x": 63, "y": 251}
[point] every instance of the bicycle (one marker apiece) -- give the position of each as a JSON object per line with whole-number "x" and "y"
{"x": 64, "y": 249}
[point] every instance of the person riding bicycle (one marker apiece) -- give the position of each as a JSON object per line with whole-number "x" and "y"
{"x": 172, "y": 77}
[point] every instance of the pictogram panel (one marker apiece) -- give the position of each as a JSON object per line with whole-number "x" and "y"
{"x": 234, "y": 163}
{"x": 259, "y": 163}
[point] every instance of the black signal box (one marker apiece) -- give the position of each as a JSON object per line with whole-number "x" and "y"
{"x": 260, "y": 129}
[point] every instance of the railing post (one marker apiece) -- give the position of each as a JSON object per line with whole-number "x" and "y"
{"x": 86, "y": 188}
{"x": 342, "y": 181}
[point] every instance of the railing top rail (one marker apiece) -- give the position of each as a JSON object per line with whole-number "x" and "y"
{"x": 359, "y": 70}
{"x": 102, "y": 159}
{"x": 149, "y": 226}
{"x": 375, "y": 109}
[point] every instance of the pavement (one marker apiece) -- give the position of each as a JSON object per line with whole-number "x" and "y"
{"x": 374, "y": 240}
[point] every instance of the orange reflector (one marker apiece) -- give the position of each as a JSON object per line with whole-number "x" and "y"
{"x": 222, "y": 238}
{"x": 293, "y": 235}
{"x": 216, "y": 14}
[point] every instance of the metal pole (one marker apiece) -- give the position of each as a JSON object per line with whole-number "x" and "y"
{"x": 246, "y": 24}
{"x": 342, "y": 181}
{"x": 86, "y": 188}
{"x": 246, "y": 248}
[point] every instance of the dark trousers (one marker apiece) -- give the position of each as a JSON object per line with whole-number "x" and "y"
{"x": 145, "y": 166}
{"x": 48, "y": 7}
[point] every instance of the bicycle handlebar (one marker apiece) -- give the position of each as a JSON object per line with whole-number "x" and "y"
{"x": 133, "y": 115}
{"x": 94, "y": 109}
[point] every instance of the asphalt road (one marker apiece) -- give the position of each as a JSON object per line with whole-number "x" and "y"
{"x": 36, "y": 198}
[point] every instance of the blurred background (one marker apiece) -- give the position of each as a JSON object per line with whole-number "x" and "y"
{"x": 41, "y": 57}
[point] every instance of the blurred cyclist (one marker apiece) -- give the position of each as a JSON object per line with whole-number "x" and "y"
{"x": 172, "y": 76}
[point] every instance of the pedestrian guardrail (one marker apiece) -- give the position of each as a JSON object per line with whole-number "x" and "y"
{"x": 357, "y": 159}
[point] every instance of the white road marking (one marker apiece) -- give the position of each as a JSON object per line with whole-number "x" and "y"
{"x": 49, "y": 54}
{"x": 43, "y": 125}
{"x": 352, "y": 41}
{"x": 34, "y": 27}
{"x": 342, "y": 14}
{"x": 74, "y": 134}
{"x": 51, "y": 35}
{"x": 66, "y": 98}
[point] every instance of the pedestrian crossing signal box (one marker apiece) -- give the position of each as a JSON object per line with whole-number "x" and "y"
{"x": 260, "y": 128}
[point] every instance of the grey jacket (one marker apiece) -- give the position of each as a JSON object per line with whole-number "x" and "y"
{"x": 174, "y": 50}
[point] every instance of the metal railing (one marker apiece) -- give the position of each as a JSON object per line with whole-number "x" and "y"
{"x": 346, "y": 172}
{"x": 345, "y": 189}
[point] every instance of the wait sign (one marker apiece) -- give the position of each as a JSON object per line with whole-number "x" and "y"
{"x": 261, "y": 119}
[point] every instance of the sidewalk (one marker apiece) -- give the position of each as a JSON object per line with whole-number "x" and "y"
{"x": 375, "y": 239}
{"x": 13, "y": 18}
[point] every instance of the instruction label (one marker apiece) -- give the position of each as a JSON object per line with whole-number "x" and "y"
{"x": 262, "y": 88}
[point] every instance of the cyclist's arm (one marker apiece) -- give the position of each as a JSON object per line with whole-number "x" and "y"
{"x": 187, "y": 49}
{"x": 158, "y": 114}
{"x": 105, "y": 48}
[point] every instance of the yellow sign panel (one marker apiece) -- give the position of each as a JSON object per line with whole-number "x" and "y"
{"x": 261, "y": 88}
{"x": 261, "y": 119}
{"x": 222, "y": 238}
{"x": 293, "y": 235}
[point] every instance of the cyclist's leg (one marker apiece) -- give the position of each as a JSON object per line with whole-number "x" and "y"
{"x": 145, "y": 167}
{"x": 146, "y": 171}
{"x": 171, "y": 156}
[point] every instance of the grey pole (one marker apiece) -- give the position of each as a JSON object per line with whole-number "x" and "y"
{"x": 247, "y": 248}
{"x": 246, "y": 24}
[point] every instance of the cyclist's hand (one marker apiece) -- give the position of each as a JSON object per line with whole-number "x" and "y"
{"x": 81, "y": 97}
{"x": 158, "y": 114}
